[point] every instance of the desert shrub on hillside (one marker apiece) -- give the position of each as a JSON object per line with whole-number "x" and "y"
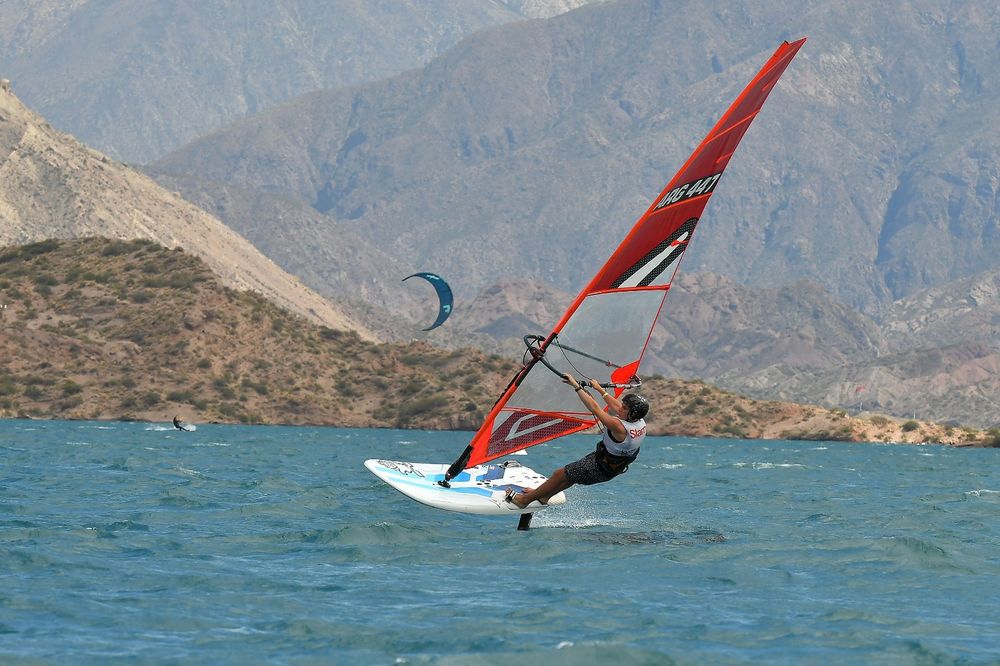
{"x": 67, "y": 404}
{"x": 910, "y": 426}
{"x": 46, "y": 279}
{"x": 411, "y": 359}
{"x": 117, "y": 248}
{"x": 736, "y": 430}
{"x": 102, "y": 277}
{"x": 259, "y": 387}
{"x": 36, "y": 249}
{"x": 32, "y": 392}
{"x": 420, "y": 406}
{"x": 221, "y": 386}
{"x": 328, "y": 333}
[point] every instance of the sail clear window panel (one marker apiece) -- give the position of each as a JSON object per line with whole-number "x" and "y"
{"x": 611, "y": 326}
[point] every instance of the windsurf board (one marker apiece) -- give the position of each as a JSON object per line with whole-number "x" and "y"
{"x": 480, "y": 490}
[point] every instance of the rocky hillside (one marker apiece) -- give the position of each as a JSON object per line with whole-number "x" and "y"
{"x": 934, "y": 356}
{"x": 110, "y": 329}
{"x": 52, "y": 186}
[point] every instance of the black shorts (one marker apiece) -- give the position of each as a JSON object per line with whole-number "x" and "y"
{"x": 587, "y": 471}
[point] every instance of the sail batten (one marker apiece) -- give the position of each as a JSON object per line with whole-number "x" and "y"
{"x": 607, "y": 328}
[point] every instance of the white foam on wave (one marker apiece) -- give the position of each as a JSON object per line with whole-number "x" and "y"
{"x": 212, "y": 444}
{"x": 985, "y": 493}
{"x": 551, "y": 520}
{"x": 668, "y": 466}
{"x": 160, "y": 428}
{"x": 579, "y": 513}
{"x": 820, "y": 448}
{"x": 767, "y": 465}
{"x": 242, "y": 630}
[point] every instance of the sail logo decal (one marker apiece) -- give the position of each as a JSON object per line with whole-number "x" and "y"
{"x": 515, "y": 429}
{"x": 404, "y": 468}
{"x": 689, "y": 190}
{"x": 655, "y": 262}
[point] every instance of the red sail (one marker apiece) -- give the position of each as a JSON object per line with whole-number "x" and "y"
{"x": 604, "y": 332}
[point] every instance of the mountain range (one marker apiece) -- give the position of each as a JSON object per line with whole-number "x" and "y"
{"x": 867, "y": 186}
{"x": 135, "y": 79}
{"x": 848, "y": 257}
{"x": 530, "y": 149}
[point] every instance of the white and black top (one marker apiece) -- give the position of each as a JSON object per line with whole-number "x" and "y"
{"x": 635, "y": 432}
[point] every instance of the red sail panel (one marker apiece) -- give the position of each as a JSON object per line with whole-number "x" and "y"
{"x": 520, "y": 429}
{"x": 604, "y": 332}
{"x": 650, "y": 253}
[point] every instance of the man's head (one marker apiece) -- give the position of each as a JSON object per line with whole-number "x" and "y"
{"x": 636, "y": 405}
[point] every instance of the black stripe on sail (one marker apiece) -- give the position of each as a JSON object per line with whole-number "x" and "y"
{"x": 687, "y": 227}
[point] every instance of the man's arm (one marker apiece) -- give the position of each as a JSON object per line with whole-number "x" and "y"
{"x": 612, "y": 423}
{"x": 613, "y": 402}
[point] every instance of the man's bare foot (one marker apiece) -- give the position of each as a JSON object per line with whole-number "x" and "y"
{"x": 517, "y": 499}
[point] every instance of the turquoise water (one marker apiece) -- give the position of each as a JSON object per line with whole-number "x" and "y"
{"x": 127, "y": 542}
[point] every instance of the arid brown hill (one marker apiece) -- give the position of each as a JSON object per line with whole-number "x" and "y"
{"x": 107, "y": 329}
{"x": 52, "y": 186}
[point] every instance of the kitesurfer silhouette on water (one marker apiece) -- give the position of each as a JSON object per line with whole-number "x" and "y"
{"x": 179, "y": 425}
{"x": 624, "y": 430}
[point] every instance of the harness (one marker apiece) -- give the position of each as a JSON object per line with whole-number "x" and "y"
{"x": 611, "y": 463}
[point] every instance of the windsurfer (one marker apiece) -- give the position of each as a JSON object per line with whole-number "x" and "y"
{"x": 624, "y": 431}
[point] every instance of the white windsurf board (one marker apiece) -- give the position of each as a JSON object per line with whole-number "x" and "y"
{"x": 479, "y": 489}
